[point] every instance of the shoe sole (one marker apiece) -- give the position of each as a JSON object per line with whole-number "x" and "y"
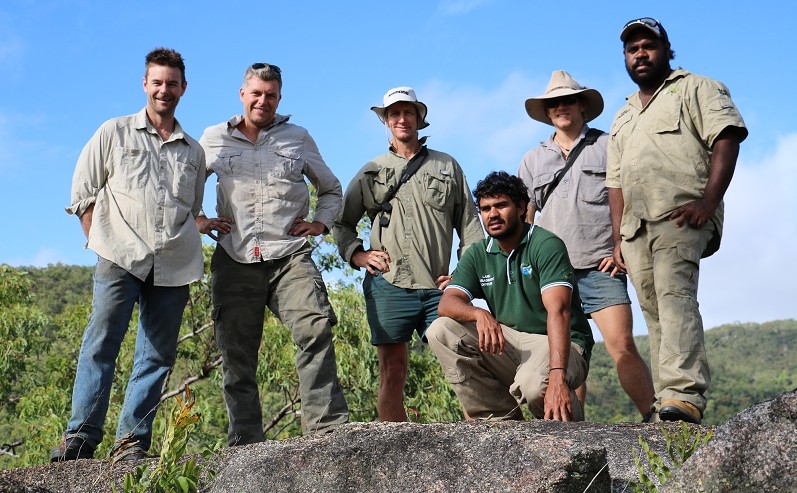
{"x": 673, "y": 413}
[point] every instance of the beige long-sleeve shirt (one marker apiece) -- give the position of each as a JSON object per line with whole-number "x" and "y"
{"x": 426, "y": 210}
{"x": 262, "y": 187}
{"x": 146, "y": 195}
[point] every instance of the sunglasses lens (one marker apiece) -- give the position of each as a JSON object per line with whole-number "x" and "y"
{"x": 567, "y": 101}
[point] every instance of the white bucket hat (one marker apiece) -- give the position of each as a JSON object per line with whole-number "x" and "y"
{"x": 562, "y": 84}
{"x": 396, "y": 95}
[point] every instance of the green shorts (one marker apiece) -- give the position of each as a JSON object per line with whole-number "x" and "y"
{"x": 395, "y": 313}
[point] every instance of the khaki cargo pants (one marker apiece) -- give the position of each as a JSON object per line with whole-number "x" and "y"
{"x": 664, "y": 262}
{"x": 492, "y": 386}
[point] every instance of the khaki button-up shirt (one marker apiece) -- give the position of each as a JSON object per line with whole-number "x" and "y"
{"x": 146, "y": 195}
{"x": 261, "y": 186}
{"x": 660, "y": 154}
{"x": 426, "y": 210}
{"x": 577, "y": 211}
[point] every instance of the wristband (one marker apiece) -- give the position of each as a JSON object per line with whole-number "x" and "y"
{"x": 563, "y": 369}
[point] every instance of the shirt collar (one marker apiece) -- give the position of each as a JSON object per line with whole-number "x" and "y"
{"x": 676, "y": 74}
{"x": 550, "y": 144}
{"x": 392, "y": 149}
{"x": 237, "y": 119}
{"x": 492, "y": 243}
{"x": 141, "y": 122}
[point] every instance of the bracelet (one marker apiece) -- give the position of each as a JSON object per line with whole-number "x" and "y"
{"x": 563, "y": 369}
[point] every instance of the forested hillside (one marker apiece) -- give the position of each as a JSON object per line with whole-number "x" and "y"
{"x": 43, "y": 313}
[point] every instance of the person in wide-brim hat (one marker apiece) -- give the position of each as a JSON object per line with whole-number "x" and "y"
{"x": 399, "y": 94}
{"x": 562, "y": 85}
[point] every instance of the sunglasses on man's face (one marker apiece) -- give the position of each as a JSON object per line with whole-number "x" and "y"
{"x": 567, "y": 101}
{"x": 258, "y": 66}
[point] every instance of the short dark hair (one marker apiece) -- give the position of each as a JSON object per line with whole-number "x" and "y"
{"x": 502, "y": 183}
{"x": 166, "y": 57}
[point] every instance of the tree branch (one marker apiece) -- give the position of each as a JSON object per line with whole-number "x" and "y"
{"x": 203, "y": 373}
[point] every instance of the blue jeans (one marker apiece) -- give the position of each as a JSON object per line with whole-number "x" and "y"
{"x": 160, "y": 315}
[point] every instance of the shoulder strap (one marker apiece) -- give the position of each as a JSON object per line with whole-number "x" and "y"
{"x": 413, "y": 165}
{"x": 590, "y": 138}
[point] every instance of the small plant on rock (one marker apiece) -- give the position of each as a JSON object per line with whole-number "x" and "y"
{"x": 171, "y": 475}
{"x": 680, "y": 447}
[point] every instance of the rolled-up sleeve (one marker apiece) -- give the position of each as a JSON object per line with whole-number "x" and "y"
{"x": 90, "y": 173}
{"x": 328, "y": 189}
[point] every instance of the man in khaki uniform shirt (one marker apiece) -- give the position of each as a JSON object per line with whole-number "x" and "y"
{"x": 411, "y": 239}
{"x": 137, "y": 189}
{"x": 671, "y": 155}
{"x": 263, "y": 258}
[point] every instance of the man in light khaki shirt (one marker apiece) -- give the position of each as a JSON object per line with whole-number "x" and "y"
{"x": 671, "y": 155}
{"x": 137, "y": 189}
{"x": 263, "y": 258}
{"x": 410, "y": 242}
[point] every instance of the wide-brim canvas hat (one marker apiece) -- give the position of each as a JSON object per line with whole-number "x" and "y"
{"x": 562, "y": 84}
{"x": 398, "y": 94}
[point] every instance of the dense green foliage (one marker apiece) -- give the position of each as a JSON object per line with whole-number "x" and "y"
{"x": 41, "y": 332}
{"x": 750, "y": 363}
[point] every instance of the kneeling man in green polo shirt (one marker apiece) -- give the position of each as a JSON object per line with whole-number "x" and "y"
{"x": 533, "y": 344}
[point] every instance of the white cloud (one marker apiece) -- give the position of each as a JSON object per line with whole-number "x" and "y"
{"x": 484, "y": 128}
{"x": 41, "y": 258}
{"x": 752, "y": 277}
{"x": 458, "y": 7}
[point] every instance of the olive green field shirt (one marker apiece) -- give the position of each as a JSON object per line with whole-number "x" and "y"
{"x": 426, "y": 210}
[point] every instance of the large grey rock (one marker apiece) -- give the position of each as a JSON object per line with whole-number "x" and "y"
{"x": 536, "y": 456}
{"x": 755, "y": 451}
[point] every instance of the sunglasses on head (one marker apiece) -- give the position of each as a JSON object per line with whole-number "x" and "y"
{"x": 566, "y": 100}
{"x": 650, "y": 22}
{"x": 258, "y": 66}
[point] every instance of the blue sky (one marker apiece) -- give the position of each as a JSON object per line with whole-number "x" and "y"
{"x": 67, "y": 66}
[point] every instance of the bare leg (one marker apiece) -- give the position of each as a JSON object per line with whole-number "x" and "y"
{"x": 615, "y": 323}
{"x": 393, "y": 360}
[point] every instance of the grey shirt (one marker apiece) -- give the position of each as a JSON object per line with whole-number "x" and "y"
{"x": 262, "y": 187}
{"x": 146, "y": 195}
{"x": 578, "y": 209}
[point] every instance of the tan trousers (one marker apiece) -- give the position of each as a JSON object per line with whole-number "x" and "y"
{"x": 663, "y": 262}
{"x": 493, "y": 386}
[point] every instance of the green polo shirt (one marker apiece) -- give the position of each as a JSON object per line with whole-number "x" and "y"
{"x": 512, "y": 284}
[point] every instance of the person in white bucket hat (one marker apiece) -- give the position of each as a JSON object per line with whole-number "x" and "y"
{"x": 566, "y": 175}
{"x": 415, "y": 198}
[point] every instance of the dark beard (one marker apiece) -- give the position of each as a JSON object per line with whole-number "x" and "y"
{"x": 650, "y": 80}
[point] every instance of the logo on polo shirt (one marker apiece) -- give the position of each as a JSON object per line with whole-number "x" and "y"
{"x": 486, "y": 280}
{"x": 525, "y": 269}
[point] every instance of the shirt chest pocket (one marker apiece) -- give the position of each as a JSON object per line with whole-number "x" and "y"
{"x": 382, "y": 181}
{"x": 438, "y": 189}
{"x": 287, "y": 164}
{"x": 228, "y": 164}
{"x": 664, "y": 114}
{"x": 130, "y": 170}
{"x": 185, "y": 177}
{"x": 541, "y": 185}
{"x": 592, "y": 184}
